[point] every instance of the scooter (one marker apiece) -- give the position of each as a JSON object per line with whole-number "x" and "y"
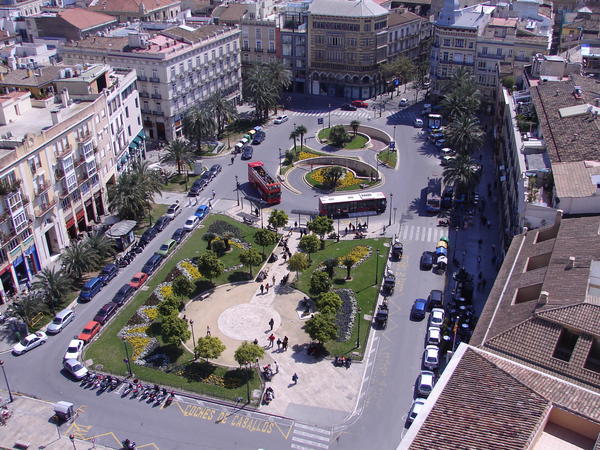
{"x": 127, "y": 390}
{"x": 269, "y": 395}
{"x": 170, "y": 399}
{"x": 443, "y": 223}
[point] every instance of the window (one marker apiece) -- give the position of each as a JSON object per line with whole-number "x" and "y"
{"x": 470, "y": 45}
{"x": 71, "y": 182}
{"x": 565, "y": 345}
{"x": 367, "y": 27}
{"x": 446, "y": 42}
{"x": 484, "y": 50}
{"x": 592, "y": 362}
{"x": 527, "y": 293}
{"x": 481, "y": 64}
{"x": 499, "y": 51}
{"x": 257, "y": 31}
{"x": 127, "y": 112}
{"x": 536, "y": 262}
{"x": 272, "y": 34}
{"x": 459, "y": 43}
{"x": 245, "y": 44}
{"x": 19, "y": 221}
{"x": 334, "y": 40}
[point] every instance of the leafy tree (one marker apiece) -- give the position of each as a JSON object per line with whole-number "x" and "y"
{"x": 294, "y": 135}
{"x": 462, "y": 171}
{"x": 250, "y": 258}
{"x": 174, "y": 329}
{"x": 401, "y": 68}
{"x": 309, "y": 243}
{"x": 198, "y": 125}
{"x": 265, "y": 238}
{"x": 329, "y": 302}
{"x": 183, "y": 286}
{"x": 301, "y": 130}
{"x": 209, "y": 347}
{"x": 227, "y": 237}
{"x": 319, "y": 283}
{"x": 26, "y": 307}
{"x": 354, "y": 125}
{"x": 298, "y": 262}
{"x": 321, "y": 327}
{"x": 348, "y": 261}
{"x": 338, "y": 136}
{"x": 248, "y": 353}
{"x": 332, "y": 175}
{"x": 168, "y": 307}
{"x": 53, "y": 285}
{"x": 464, "y": 133}
{"x": 221, "y": 109}
{"x": 180, "y": 153}
{"x": 263, "y": 86}
{"x": 78, "y": 258}
{"x": 218, "y": 246}
{"x": 508, "y": 82}
{"x": 101, "y": 245}
{"x": 209, "y": 237}
{"x": 278, "y": 219}
{"x": 330, "y": 265}
{"x": 321, "y": 225}
{"x": 209, "y": 265}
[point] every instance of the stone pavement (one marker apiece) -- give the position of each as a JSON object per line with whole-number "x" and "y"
{"x": 235, "y": 313}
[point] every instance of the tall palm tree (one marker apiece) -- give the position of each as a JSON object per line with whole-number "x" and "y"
{"x": 180, "y": 153}
{"x": 280, "y": 76}
{"x": 294, "y": 136}
{"x": 221, "y": 109}
{"x": 148, "y": 179}
{"x": 126, "y": 199}
{"x": 354, "y": 125}
{"x": 462, "y": 171}
{"x": 78, "y": 259}
{"x": 259, "y": 91}
{"x": 464, "y": 133}
{"x": 102, "y": 245}
{"x": 26, "y": 307}
{"x": 301, "y": 130}
{"x": 53, "y": 284}
{"x": 198, "y": 125}
{"x": 460, "y": 77}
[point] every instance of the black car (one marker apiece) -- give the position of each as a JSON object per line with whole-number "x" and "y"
{"x": 215, "y": 169}
{"x": 123, "y": 294}
{"x": 148, "y": 235}
{"x": 178, "y": 235}
{"x": 258, "y": 137}
{"x": 436, "y": 298}
{"x": 105, "y": 313}
{"x": 426, "y": 261}
{"x": 108, "y": 273}
{"x": 162, "y": 222}
{"x": 152, "y": 264}
{"x": 197, "y": 187}
{"x": 348, "y": 107}
{"x": 247, "y": 152}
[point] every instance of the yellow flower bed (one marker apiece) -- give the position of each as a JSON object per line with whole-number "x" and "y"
{"x": 306, "y": 155}
{"x": 237, "y": 244}
{"x": 151, "y": 313}
{"x": 191, "y": 269}
{"x": 138, "y": 344}
{"x": 141, "y": 329}
{"x": 348, "y": 179}
{"x": 167, "y": 291}
{"x": 359, "y": 252}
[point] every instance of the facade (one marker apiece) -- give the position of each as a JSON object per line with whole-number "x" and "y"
{"x": 347, "y": 42}
{"x": 70, "y": 24}
{"x": 143, "y": 10}
{"x": 580, "y": 27}
{"x": 13, "y": 8}
{"x": 294, "y": 44}
{"x": 260, "y": 41}
{"x": 177, "y": 68}
{"x": 405, "y": 34}
{"x": 27, "y": 55}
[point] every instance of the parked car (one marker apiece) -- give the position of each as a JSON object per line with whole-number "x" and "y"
{"x": 138, "y": 280}
{"x": 403, "y": 102}
{"x": 447, "y": 152}
{"x": 419, "y": 309}
{"x": 434, "y": 336}
{"x": 258, "y": 137}
{"x": 436, "y": 318}
{"x": 348, "y": 107}
{"x": 435, "y": 135}
{"x": 446, "y": 160}
{"x": 201, "y": 211}
{"x": 148, "y": 235}
{"x": 178, "y": 235}
{"x": 426, "y": 109}
{"x": 108, "y": 272}
{"x": 425, "y": 383}
{"x": 30, "y": 342}
{"x": 60, "y": 321}
{"x": 194, "y": 190}
{"x": 215, "y": 169}
{"x": 152, "y": 264}
{"x": 75, "y": 368}
{"x": 440, "y": 142}
{"x": 162, "y": 222}
{"x": 426, "y": 262}
{"x": 105, "y": 313}
{"x": 90, "y": 289}
{"x": 174, "y": 210}
{"x": 90, "y": 330}
{"x": 431, "y": 357}
{"x": 166, "y": 247}
{"x": 191, "y": 223}
{"x": 247, "y": 152}
{"x": 436, "y": 298}
{"x": 360, "y": 104}
{"x": 281, "y": 119}
{"x": 74, "y": 349}
{"x": 123, "y": 294}
{"x": 416, "y": 407}
{"x": 418, "y": 123}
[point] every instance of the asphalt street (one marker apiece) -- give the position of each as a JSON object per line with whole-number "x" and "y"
{"x": 395, "y": 358}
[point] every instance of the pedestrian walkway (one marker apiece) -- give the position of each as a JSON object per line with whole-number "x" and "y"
{"x": 309, "y": 437}
{"x": 421, "y": 233}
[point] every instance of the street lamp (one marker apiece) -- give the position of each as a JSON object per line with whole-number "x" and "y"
{"x": 237, "y": 190}
{"x": 10, "y": 396}
{"x": 395, "y": 215}
{"x": 186, "y": 179}
{"x": 391, "y": 203}
{"x": 127, "y": 361}
{"x": 280, "y": 160}
{"x": 358, "y": 335}
{"x": 394, "y": 134}
{"x": 376, "y": 267}
{"x": 193, "y": 337}
{"x": 329, "y": 115}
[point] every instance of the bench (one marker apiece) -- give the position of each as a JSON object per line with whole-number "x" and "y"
{"x": 21, "y": 444}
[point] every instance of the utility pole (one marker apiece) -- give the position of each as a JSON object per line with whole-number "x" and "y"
{"x": 237, "y": 190}
{"x": 10, "y": 396}
{"x": 329, "y": 115}
{"x": 391, "y": 203}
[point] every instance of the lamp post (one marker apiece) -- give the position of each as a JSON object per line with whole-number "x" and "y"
{"x": 338, "y": 219}
{"x": 329, "y": 116}
{"x": 186, "y": 179}
{"x": 10, "y": 396}
{"x": 394, "y": 139}
{"x": 391, "y": 203}
{"x": 359, "y": 311}
{"x": 237, "y": 190}
{"x": 395, "y": 215}
{"x": 376, "y": 267}
{"x": 279, "y": 160}
{"x": 127, "y": 361}
{"x": 193, "y": 337}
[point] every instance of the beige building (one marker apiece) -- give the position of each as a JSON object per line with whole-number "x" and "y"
{"x": 347, "y": 42}
{"x": 260, "y": 41}
{"x": 406, "y": 34}
{"x": 144, "y": 10}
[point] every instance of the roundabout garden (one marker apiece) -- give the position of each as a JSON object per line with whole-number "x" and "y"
{"x": 338, "y": 136}
{"x": 336, "y": 178}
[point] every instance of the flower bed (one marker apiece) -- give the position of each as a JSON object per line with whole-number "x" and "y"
{"x": 360, "y": 254}
{"x": 345, "y": 317}
{"x": 136, "y": 334}
{"x": 305, "y": 155}
{"x": 189, "y": 270}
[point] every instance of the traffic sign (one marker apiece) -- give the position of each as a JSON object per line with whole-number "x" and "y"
{"x": 320, "y": 121}
{"x": 392, "y": 144}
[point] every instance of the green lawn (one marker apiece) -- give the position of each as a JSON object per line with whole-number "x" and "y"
{"x": 358, "y": 141}
{"x": 158, "y": 209}
{"x": 388, "y": 157}
{"x": 108, "y": 351}
{"x": 177, "y": 183}
{"x": 362, "y": 283}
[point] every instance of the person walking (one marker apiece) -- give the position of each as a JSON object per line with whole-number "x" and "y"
{"x": 214, "y": 194}
{"x": 285, "y": 342}
{"x": 273, "y": 280}
{"x": 232, "y": 159}
{"x": 207, "y": 330}
{"x": 262, "y": 288}
{"x": 279, "y": 344}
{"x": 271, "y": 340}
{"x": 271, "y": 323}
{"x": 255, "y": 342}
{"x": 276, "y": 367}
{"x": 267, "y": 287}
{"x": 209, "y": 204}
{"x": 295, "y": 378}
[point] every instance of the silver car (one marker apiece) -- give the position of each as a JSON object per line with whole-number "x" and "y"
{"x": 60, "y": 321}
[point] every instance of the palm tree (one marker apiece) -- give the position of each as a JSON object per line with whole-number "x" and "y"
{"x": 464, "y": 133}
{"x": 461, "y": 77}
{"x": 301, "y": 130}
{"x": 221, "y": 109}
{"x": 78, "y": 259}
{"x": 198, "y": 125}
{"x": 280, "y": 76}
{"x": 348, "y": 261}
{"x": 126, "y": 199}
{"x": 26, "y": 307}
{"x": 462, "y": 171}
{"x": 464, "y": 100}
{"x": 354, "y": 125}
{"x": 294, "y": 135}
{"x": 102, "y": 245}
{"x": 53, "y": 284}
{"x": 259, "y": 91}
{"x": 179, "y": 152}
{"x": 147, "y": 179}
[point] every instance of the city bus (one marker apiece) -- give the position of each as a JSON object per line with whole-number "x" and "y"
{"x": 434, "y": 121}
{"x": 268, "y": 188}
{"x": 352, "y": 205}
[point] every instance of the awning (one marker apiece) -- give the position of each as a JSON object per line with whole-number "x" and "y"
{"x": 138, "y": 140}
{"x": 121, "y": 229}
{"x": 134, "y": 144}
{"x": 141, "y": 134}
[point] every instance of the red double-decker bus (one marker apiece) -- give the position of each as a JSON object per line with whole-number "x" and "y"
{"x": 265, "y": 184}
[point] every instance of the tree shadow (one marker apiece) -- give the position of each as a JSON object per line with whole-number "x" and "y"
{"x": 236, "y": 378}
{"x": 164, "y": 354}
{"x": 339, "y": 281}
{"x": 429, "y": 150}
{"x": 203, "y": 285}
{"x": 198, "y": 370}
{"x": 238, "y": 276}
{"x": 153, "y": 329}
{"x": 418, "y": 206}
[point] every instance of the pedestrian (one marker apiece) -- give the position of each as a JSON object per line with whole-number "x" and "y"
{"x": 209, "y": 204}
{"x": 279, "y": 344}
{"x": 213, "y": 193}
{"x": 285, "y": 342}
{"x": 273, "y": 280}
{"x": 271, "y": 323}
{"x": 262, "y": 288}
{"x": 207, "y": 330}
{"x": 195, "y": 201}
{"x": 345, "y": 231}
{"x": 189, "y": 202}
{"x": 284, "y": 256}
{"x": 295, "y": 378}
{"x": 295, "y": 224}
{"x": 232, "y": 159}
{"x": 255, "y": 342}
{"x": 276, "y": 367}
{"x": 271, "y": 340}
{"x": 267, "y": 287}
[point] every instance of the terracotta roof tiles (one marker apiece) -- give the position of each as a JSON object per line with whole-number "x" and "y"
{"x": 85, "y": 19}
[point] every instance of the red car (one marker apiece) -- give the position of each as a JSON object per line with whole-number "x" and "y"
{"x": 138, "y": 279}
{"x": 90, "y": 330}
{"x": 360, "y": 104}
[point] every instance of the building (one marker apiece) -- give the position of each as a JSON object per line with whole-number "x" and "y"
{"x": 347, "y": 42}
{"x": 177, "y": 68}
{"x": 13, "y": 9}
{"x": 580, "y": 27}
{"x": 69, "y": 24}
{"x": 143, "y": 10}
{"x": 294, "y": 44}
{"x": 405, "y": 34}
{"x": 260, "y": 42}
{"x": 28, "y": 55}
{"x": 530, "y": 377}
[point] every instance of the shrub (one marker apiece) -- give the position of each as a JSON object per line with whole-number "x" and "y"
{"x": 183, "y": 287}
{"x": 218, "y": 246}
{"x": 319, "y": 283}
{"x": 221, "y": 227}
{"x": 153, "y": 300}
{"x": 329, "y": 302}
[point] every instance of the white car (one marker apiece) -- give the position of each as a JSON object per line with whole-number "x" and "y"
{"x": 436, "y": 318}
{"x": 29, "y": 342}
{"x": 417, "y": 406}
{"x": 174, "y": 210}
{"x": 431, "y": 357}
{"x": 74, "y": 350}
{"x": 418, "y": 123}
{"x": 281, "y": 119}
{"x": 60, "y": 321}
{"x": 434, "y": 336}
{"x": 75, "y": 368}
{"x": 403, "y": 102}
{"x": 447, "y": 152}
{"x": 425, "y": 383}
{"x": 191, "y": 223}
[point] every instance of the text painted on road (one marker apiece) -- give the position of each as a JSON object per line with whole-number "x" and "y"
{"x": 247, "y": 423}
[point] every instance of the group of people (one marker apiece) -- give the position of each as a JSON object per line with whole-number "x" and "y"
{"x": 357, "y": 227}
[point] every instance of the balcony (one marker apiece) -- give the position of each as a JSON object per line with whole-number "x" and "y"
{"x": 44, "y": 208}
{"x": 59, "y": 174}
{"x": 157, "y": 113}
{"x": 79, "y": 162}
{"x": 84, "y": 137}
{"x": 7, "y": 187}
{"x": 271, "y": 50}
{"x": 154, "y": 80}
{"x": 142, "y": 78}
{"x": 258, "y": 50}
{"x": 245, "y": 48}
{"x": 41, "y": 188}
{"x": 490, "y": 56}
{"x": 66, "y": 151}
{"x": 144, "y": 94}
{"x": 146, "y": 110}
{"x": 4, "y": 217}
{"x": 158, "y": 96}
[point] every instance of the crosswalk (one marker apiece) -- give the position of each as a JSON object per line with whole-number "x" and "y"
{"x": 337, "y": 113}
{"x": 306, "y": 437}
{"x": 423, "y": 234}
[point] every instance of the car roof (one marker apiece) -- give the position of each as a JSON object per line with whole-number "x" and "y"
{"x": 63, "y": 313}
{"x": 74, "y": 342}
{"x": 421, "y": 300}
{"x": 109, "y": 305}
{"x": 192, "y": 218}
{"x": 168, "y": 242}
{"x": 125, "y": 287}
{"x": 138, "y": 274}
{"x": 91, "y": 282}
{"x": 91, "y": 324}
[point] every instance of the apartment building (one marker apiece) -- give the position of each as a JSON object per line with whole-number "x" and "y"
{"x": 347, "y": 42}
{"x": 580, "y": 27}
{"x": 293, "y": 23}
{"x": 405, "y": 34}
{"x": 260, "y": 41}
{"x": 70, "y": 24}
{"x": 176, "y": 68}
{"x": 142, "y": 10}
{"x": 13, "y": 8}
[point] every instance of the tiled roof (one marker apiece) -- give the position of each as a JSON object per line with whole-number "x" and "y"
{"x": 572, "y": 138}
{"x": 194, "y": 35}
{"x": 347, "y": 8}
{"x": 23, "y": 77}
{"x": 231, "y": 13}
{"x": 574, "y": 179}
{"x": 584, "y": 317}
{"x": 101, "y": 42}
{"x": 85, "y": 19}
{"x": 481, "y": 407}
{"x": 133, "y": 6}
{"x": 401, "y": 18}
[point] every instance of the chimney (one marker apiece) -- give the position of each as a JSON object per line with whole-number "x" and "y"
{"x": 64, "y": 97}
{"x": 56, "y": 116}
{"x": 571, "y": 263}
{"x": 543, "y": 298}
{"x": 559, "y": 215}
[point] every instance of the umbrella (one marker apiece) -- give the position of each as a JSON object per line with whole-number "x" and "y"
{"x": 444, "y": 238}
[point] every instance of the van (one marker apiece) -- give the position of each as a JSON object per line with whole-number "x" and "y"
{"x": 90, "y": 289}
{"x": 60, "y": 321}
